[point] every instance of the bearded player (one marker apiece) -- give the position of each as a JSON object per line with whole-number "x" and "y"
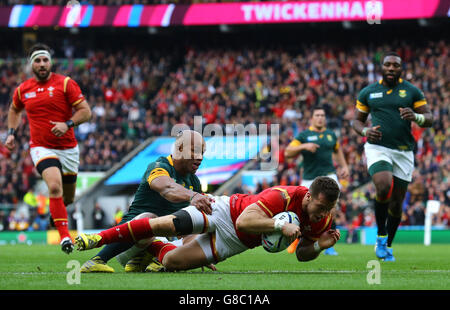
{"x": 393, "y": 104}
{"x": 235, "y": 225}
{"x": 54, "y": 104}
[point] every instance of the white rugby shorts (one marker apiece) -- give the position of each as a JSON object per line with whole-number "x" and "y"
{"x": 69, "y": 158}
{"x": 402, "y": 161}
{"x": 220, "y": 240}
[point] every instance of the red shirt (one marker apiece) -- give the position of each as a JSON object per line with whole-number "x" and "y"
{"x": 47, "y": 101}
{"x": 275, "y": 200}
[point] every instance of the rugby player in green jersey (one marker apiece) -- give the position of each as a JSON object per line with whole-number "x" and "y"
{"x": 318, "y": 146}
{"x": 393, "y": 104}
{"x": 168, "y": 185}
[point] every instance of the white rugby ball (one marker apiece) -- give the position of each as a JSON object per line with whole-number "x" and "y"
{"x": 276, "y": 241}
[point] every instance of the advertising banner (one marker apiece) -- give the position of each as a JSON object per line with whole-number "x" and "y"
{"x": 166, "y": 15}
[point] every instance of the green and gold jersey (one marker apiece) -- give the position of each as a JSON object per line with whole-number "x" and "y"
{"x": 148, "y": 200}
{"x": 383, "y": 104}
{"x": 321, "y": 162}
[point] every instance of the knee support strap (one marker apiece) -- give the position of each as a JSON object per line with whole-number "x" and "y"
{"x": 183, "y": 222}
{"x": 47, "y": 163}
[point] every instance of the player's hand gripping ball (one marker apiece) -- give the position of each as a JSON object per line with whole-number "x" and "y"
{"x": 276, "y": 241}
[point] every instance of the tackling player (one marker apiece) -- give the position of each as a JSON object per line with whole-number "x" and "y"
{"x": 54, "y": 105}
{"x": 393, "y": 104}
{"x": 318, "y": 146}
{"x": 235, "y": 225}
{"x": 168, "y": 184}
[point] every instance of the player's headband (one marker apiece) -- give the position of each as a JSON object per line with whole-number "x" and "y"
{"x": 38, "y": 53}
{"x": 397, "y": 59}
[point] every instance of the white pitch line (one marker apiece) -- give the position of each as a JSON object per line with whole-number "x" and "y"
{"x": 262, "y": 272}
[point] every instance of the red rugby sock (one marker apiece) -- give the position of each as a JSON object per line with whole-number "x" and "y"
{"x": 59, "y": 215}
{"x": 131, "y": 231}
{"x": 159, "y": 249}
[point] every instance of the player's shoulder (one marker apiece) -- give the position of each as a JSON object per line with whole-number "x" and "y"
{"x": 330, "y": 132}
{"x": 164, "y": 162}
{"x": 306, "y": 132}
{"x": 407, "y": 84}
{"x": 290, "y": 190}
{"x": 56, "y": 77}
{"x": 31, "y": 82}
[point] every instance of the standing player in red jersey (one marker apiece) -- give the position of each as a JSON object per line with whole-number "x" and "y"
{"x": 54, "y": 104}
{"x": 235, "y": 225}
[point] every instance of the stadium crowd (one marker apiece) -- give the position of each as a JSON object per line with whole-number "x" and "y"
{"x": 135, "y": 95}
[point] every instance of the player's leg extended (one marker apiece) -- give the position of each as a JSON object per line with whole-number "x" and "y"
{"x": 98, "y": 263}
{"x": 187, "y": 256}
{"x": 129, "y": 232}
{"x": 136, "y": 259}
{"x": 383, "y": 181}
{"x": 176, "y": 224}
{"x": 51, "y": 173}
{"x": 395, "y": 213}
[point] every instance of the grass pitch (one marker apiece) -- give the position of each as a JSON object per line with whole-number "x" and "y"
{"x": 45, "y": 267}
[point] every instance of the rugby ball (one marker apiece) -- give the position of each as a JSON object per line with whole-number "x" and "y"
{"x": 276, "y": 241}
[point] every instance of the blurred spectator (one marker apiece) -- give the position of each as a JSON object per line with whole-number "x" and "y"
{"x": 445, "y": 217}
{"x": 22, "y": 222}
{"x": 98, "y": 216}
{"x": 3, "y": 221}
{"x": 31, "y": 201}
{"x": 12, "y": 221}
{"x": 43, "y": 204}
{"x": 117, "y": 216}
{"x": 416, "y": 214}
{"x": 40, "y": 223}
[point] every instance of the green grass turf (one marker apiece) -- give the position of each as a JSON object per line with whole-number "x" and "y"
{"x": 43, "y": 267}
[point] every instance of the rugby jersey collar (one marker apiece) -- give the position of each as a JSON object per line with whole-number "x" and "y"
{"x": 312, "y": 128}
{"x": 169, "y": 158}
{"x": 400, "y": 80}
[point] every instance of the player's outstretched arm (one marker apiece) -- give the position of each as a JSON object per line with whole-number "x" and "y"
{"x": 308, "y": 250}
{"x": 174, "y": 192}
{"x": 254, "y": 220}
{"x": 294, "y": 150}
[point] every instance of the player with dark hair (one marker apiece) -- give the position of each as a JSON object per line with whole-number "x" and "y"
{"x": 318, "y": 145}
{"x": 49, "y": 100}
{"x": 235, "y": 225}
{"x": 168, "y": 184}
{"x": 393, "y": 104}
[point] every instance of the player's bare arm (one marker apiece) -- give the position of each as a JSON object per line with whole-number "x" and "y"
{"x": 372, "y": 133}
{"x": 82, "y": 114}
{"x": 174, "y": 192}
{"x": 308, "y": 249}
{"x": 421, "y": 115}
{"x": 14, "y": 115}
{"x": 295, "y": 150}
{"x": 342, "y": 163}
{"x": 253, "y": 220}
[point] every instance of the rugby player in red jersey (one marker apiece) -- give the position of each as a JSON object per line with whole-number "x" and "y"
{"x": 235, "y": 225}
{"x": 54, "y": 104}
